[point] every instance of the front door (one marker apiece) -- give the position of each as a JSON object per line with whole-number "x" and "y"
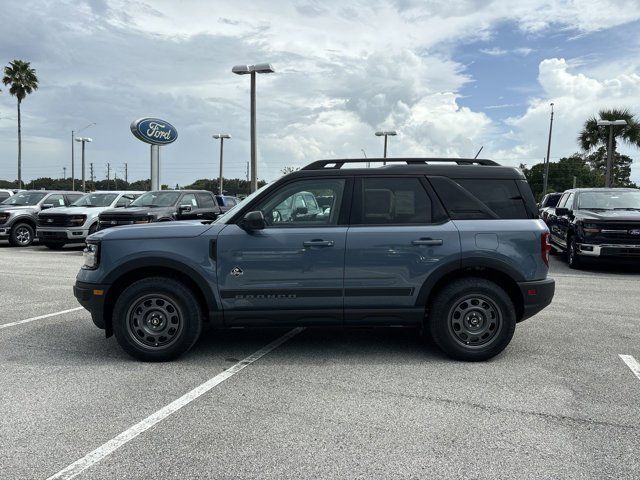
{"x": 292, "y": 271}
{"x": 398, "y": 237}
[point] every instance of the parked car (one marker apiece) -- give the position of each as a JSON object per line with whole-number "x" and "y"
{"x": 294, "y": 208}
{"x": 225, "y": 202}
{"x": 163, "y": 206}
{"x": 72, "y": 224}
{"x": 4, "y": 194}
{"x": 18, "y": 213}
{"x": 548, "y": 203}
{"x": 597, "y": 223}
{"x": 452, "y": 246}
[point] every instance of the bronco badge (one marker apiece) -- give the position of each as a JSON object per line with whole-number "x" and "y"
{"x": 236, "y": 271}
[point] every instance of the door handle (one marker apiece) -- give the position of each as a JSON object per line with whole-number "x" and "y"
{"x": 318, "y": 243}
{"x": 199, "y": 214}
{"x": 427, "y": 241}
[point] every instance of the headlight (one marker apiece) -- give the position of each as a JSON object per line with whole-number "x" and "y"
{"x": 590, "y": 228}
{"x": 91, "y": 255}
{"x": 4, "y": 217}
{"x": 77, "y": 220}
{"x": 141, "y": 220}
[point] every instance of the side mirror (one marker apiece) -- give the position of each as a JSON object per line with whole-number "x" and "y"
{"x": 302, "y": 211}
{"x": 253, "y": 221}
{"x": 47, "y": 205}
{"x": 562, "y": 211}
{"x": 184, "y": 208}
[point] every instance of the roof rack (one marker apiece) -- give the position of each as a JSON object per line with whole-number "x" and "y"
{"x": 337, "y": 164}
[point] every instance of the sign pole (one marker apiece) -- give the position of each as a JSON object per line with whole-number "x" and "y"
{"x": 155, "y": 167}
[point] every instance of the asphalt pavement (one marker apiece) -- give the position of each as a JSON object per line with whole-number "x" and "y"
{"x": 559, "y": 402}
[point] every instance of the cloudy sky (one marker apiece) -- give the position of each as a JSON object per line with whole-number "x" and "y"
{"x": 449, "y": 75}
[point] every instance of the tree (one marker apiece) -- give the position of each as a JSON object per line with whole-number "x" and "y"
{"x": 23, "y": 81}
{"x": 592, "y": 137}
{"x": 561, "y": 175}
{"x": 288, "y": 169}
{"x": 621, "y": 167}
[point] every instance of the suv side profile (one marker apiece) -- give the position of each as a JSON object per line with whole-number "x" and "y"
{"x": 454, "y": 247}
{"x": 163, "y": 206}
{"x": 72, "y": 224}
{"x": 19, "y": 213}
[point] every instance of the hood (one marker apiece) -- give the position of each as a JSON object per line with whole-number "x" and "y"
{"x": 133, "y": 211}
{"x": 181, "y": 229}
{"x": 608, "y": 215}
{"x": 18, "y": 208}
{"x": 72, "y": 210}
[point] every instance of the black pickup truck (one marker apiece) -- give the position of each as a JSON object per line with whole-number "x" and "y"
{"x": 596, "y": 223}
{"x": 164, "y": 206}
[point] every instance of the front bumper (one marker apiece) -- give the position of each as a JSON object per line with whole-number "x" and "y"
{"x": 536, "y": 295}
{"x": 92, "y": 297}
{"x": 609, "y": 250}
{"x": 5, "y": 232}
{"x": 77, "y": 234}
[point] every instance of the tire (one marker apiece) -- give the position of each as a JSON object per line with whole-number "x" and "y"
{"x": 476, "y": 308}
{"x": 93, "y": 229}
{"x": 21, "y": 235}
{"x": 157, "y": 299}
{"x": 53, "y": 245}
{"x": 573, "y": 259}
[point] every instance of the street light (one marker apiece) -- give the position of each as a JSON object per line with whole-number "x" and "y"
{"x": 608, "y": 178}
{"x": 83, "y": 140}
{"x": 252, "y": 70}
{"x": 221, "y": 137}
{"x": 545, "y": 181}
{"x": 73, "y": 172}
{"x": 386, "y": 134}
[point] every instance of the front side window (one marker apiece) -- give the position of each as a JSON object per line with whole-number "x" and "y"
{"x": 189, "y": 199}
{"x": 206, "y": 200}
{"x": 24, "y": 199}
{"x": 156, "y": 199}
{"x": 288, "y": 207}
{"x": 56, "y": 200}
{"x": 126, "y": 199}
{"x": 394, "y": 201}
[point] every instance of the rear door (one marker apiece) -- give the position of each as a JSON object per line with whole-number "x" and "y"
{"x": 291, "y": 271}
{"x": 399, "y": 234}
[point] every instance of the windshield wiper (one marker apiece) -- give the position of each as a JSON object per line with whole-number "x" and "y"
{"x": 626, "y": 208}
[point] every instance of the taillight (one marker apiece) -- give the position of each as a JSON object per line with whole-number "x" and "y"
{"x": 545, "y": 247}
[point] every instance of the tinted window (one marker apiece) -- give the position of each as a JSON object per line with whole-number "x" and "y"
{"x": 501, "y": 196}
{"x": 569, "y": 203}
{"x": 57, "y": 200}
{"x": 288, "y": 208}
{"x": 552, "y": 200}
{"x": 563, "y": 200}
{"x": 393, "y": 201}
{"x": 73, "y": 197}
{"x": 230, "y": 201}
{"x": 206, "y": 200}
{"x": 156, "y": 199}
{"x": 125, "y": 200}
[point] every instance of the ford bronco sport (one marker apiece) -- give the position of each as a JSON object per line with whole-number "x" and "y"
{"x": 453, "y": 246}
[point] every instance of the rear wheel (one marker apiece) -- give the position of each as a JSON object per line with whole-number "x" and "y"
{"x": 157, "y": 319}
{"x": 472, "y": 319}
{"x": 21, "y": 235}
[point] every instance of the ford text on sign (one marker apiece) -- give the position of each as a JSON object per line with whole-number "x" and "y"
{"x": 154, "y": 131}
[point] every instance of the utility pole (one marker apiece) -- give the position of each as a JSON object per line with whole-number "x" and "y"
{"x": 386, "y": 134}
{"x": 247, "y": 171}
{"x": 546, "y": 165}
{"x": 575, "y": 181}
{"x": 126, "y": 173}
{"x": 115, "y": 180}
{"x": 64, "y": 173}
{"x": 221, "y": 137}
{"x": 91, "y": 170}
{"x": 108, "y": 175}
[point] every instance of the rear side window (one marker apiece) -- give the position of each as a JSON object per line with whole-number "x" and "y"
{"x": 500, "y": 196}
{"x": 393, "y": 201}
{"x": 206, "y": 200}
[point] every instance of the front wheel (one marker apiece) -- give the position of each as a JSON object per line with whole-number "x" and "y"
{"x": 472, "y": 319}
{"x": 157, "y": 319}
{"x": 573, "y": 259}
{"x": 21, "y": 235}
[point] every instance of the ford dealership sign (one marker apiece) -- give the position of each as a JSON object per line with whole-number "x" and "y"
{"x": 154, "y": 131}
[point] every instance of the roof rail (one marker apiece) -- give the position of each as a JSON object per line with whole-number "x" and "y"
{"x": 337, "y": 164}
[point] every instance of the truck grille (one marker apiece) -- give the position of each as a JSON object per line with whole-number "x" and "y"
{"x": 627, "y": 232}
{"x": 54, "y": 221}
{"x": 115, "y": 220}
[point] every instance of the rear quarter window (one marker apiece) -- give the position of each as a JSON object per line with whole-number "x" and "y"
{"x": 501, "y": 196}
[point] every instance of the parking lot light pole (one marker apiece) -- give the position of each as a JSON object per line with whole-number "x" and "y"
{"x": 252, "y": 70}
{"x": 73, "y": 161}
{"x": 608, "y": 177}
{"x": 83, "y": 140}
{"x": 386, "y": 134}
{"x": 221, "y": 137}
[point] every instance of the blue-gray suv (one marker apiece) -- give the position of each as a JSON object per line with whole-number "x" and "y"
{"x": 453, "y": 247}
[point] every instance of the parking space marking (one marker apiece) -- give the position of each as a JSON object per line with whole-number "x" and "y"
{"x": 40, "y": 317}
{"x": 632, "y": 363}
{"x": 109, "y": 447}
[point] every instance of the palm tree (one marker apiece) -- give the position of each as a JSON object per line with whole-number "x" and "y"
{"x": 23, "y": 81}
{"x": 596, "y": 138}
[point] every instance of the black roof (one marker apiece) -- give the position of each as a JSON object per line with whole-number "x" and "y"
{"x": 448, "y": 167}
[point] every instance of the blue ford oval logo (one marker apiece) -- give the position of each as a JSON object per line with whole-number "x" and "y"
{"x": 154, "y": 131}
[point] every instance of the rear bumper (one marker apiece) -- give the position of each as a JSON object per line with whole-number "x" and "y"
{"x": 609, "y": 250}
{"x": 92, "y": 297}
{"x": 536, "y": 295}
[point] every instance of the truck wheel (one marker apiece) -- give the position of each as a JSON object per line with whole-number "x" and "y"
{"x": 21, "y": 235}
{"x": 53, "y": 245}
{"x": 157, "y": 319}
{"x": 93, "y": 229}
{"x": 472, "y": 319}
{"x": 573, "y": 259}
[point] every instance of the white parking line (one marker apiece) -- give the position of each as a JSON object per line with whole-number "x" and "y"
{"x": 632, "y": 363}
{"x": 109, "y": 447}
{"x": 27, "y": 320}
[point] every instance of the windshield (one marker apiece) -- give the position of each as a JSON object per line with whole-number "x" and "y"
{"x": 24, "y": 198}
{"x": 156, "y": 199}
{"x": 610, "y": 200}
{"x": 95, "y": 200}
{"x": 229, "y": 213}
